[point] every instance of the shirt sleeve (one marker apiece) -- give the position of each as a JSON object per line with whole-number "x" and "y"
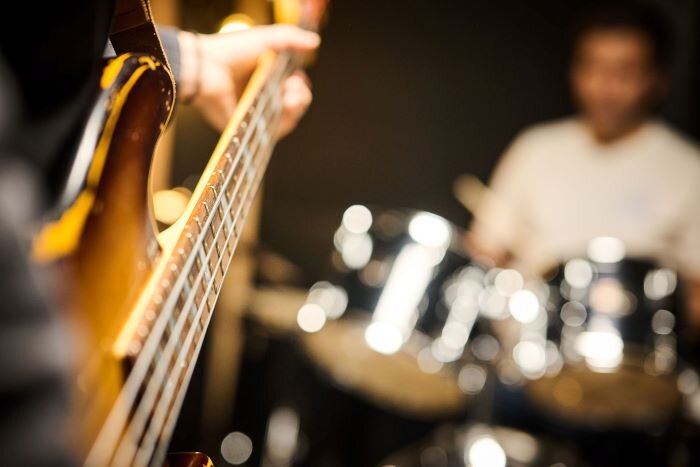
{"x": 687, "y": 247}
{"x": 168, "y": 37}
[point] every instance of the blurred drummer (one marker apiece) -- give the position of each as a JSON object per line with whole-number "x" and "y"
{"x": 614, "y": 169}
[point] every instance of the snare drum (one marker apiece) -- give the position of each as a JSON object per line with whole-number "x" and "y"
{"x": 612, "y": 332}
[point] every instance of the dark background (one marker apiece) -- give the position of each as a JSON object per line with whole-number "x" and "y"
{"x": 409, "y": 94}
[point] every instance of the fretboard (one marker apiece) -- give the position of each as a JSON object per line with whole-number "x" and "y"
{"x": 161, "y": 345}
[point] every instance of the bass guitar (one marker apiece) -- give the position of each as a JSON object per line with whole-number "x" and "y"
{"x": 140, "y": 301}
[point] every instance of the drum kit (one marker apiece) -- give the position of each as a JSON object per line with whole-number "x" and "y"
{"x": 412, "y": 354}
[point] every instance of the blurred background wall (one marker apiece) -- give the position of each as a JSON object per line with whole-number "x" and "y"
{"x": 409, "y": 94}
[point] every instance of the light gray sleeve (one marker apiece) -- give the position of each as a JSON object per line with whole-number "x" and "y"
{"x": 168, "y": 37}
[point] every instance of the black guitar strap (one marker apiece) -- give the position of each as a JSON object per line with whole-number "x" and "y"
{"x": 133, "y": 30}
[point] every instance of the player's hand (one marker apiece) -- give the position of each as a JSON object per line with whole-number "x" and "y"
{"x": 216, "y": 68}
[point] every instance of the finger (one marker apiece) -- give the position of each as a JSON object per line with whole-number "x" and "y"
{"x": 296, "y": 94}
{"x": 304, "y": 77}
{"x": 240, "y": 50}
{"x": 286, "y": 36}
{"x": 296, "y": 81}
{"x": 296, "y": 97}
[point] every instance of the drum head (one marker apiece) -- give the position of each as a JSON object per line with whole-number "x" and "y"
{"x": 627, "y": 397}
{"x": 392, "y": 381}
{"x": 626, "y": 303}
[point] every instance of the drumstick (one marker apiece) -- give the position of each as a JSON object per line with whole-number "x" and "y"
{"x": 469, "y": 190}
{"x": 472, "y": 193}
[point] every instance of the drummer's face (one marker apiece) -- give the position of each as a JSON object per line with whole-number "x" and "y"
{"x": 615, "y": 80}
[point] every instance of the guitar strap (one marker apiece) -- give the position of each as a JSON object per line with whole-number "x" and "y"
{"x": 133, "y": 30}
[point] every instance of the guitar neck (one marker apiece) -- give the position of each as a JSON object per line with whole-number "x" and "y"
{"x": 161, "y": 341}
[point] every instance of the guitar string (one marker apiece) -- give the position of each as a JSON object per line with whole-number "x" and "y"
{"x": 262, "y": 157}
{"x": 164, "y": 439}
{"x": 159, "y": 375}
{"x": 117, "y": 419}
{"x": 154, "y": 384}
{"x": 159, "y": 412}
{"x": 163, "y": 435}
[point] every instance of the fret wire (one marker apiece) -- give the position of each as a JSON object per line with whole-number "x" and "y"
{"x": 202, "y": 235}
{"x": 136, "y": 377}
{"x": 165, "y": 401}
{"x": 154, "y": 385}
{"x": 183, "y": 387}
{"x": 227, "y": 211}
{"x": 118, "y": 419}
{"x": 245, "y": 207}
{"x": 189, "y": 263}
{"x": 204, "y": 257}
{"x": 163, "y": 440}
{"x": 125, "y": 452}
{"x": 189, "y": 267}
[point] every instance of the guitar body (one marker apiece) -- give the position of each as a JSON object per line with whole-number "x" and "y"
{"x": 118, "y": 244}
{"x": 104, "y": 244}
